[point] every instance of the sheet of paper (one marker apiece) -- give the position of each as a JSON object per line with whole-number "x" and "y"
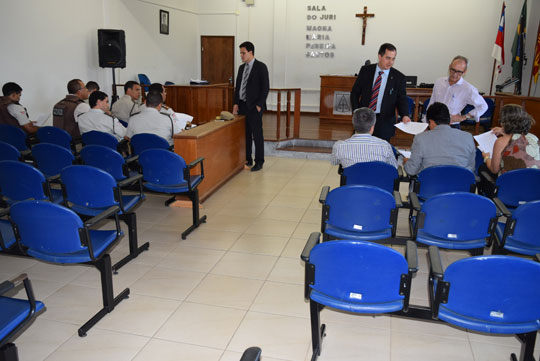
{"x": 412, "y": 127}
{"x": 405, "y": 153}
{"x": 41, "y": 118}
{"x": 485, "y": 141}
{"x": 182, "y": 119}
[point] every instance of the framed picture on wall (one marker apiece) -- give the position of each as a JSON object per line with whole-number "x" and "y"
{"x": 164, "y": 22}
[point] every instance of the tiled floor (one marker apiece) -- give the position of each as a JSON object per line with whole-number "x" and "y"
{"x": 235, "y": 282}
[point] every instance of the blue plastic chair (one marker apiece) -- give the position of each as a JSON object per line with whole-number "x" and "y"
{"x": 485, "y": 119}
{"x": 90, "y": 191}
{"x": 20, "y": 181}
{"x": 67, "y": 240}
{"x": 517, "y": 187}
{"x": 8, "y": 152}
{"x": 520, "y": 233}
{"x": 167, "y": 172}
{"x": 56, "y": 136}
{"x": 143, "y": 141}
{"x": 457, "y": 220}
{"x": 144, "y": 81}
{"x": 16, "y": 315}
{"x": 377, "y": 174}
{"x": 51, "y": 158}
{"x": 358, "y": 212}
{"x": 425, "y": 105}
{"x": 109, "y": 160}
{"x": 7, "y": 237}
{"x": 14, "y": 136}
{"x": 489, "y": 294}
{"x": 355, "y": 276}
{"x": 95, "y": 137}
{"x": 442, "y": 179}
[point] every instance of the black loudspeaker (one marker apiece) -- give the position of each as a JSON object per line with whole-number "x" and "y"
{"x": 112, "y": 48}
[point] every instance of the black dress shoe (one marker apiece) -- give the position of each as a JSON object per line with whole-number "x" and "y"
{"x": 256, "y": 167}
{"x": 249, "y": 163}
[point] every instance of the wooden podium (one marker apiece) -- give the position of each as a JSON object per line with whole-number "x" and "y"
{"x": 203, "y": 102}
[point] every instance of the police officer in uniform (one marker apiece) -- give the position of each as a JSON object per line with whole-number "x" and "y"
{"x": 100, "y": 118}
{"x": 151, "y": 120}
{"x": 12, "y": 112}
{"x": 127, "y": 105}
{"x": 66, "y": 111}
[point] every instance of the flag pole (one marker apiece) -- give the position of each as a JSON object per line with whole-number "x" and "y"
{"x": 532, "y": 69}
{"x": 492, "y": 76}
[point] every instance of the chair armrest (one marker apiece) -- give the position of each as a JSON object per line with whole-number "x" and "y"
{"x": 324, "y": 193}
{"x": 487, "y": 177}
{"x": 501, "y": 207}
{"x": 340, "y": 169}
{"x": 4, "y": 212}
{"x": 411, "y": 253}
{"x": 251, "y": 354}
{"x": 130, "y": 180}
{"x": 435, "y": 264}
{"x": 103, "y": 215}
{"x": 413, "y": 200}
{"x": 311, "y": 242}
{"x": 9, "y": 285}
{"x": 400, "y": 171}
{"x": 195, "y": 162}
{"x": 397, "y": 197}
{"x": 132, "y": 159}
{"x": 537, "y": 257}
{"x": 53, "y": 178}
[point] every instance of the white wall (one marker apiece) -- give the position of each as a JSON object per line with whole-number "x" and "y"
{"x": 47, "y": 43}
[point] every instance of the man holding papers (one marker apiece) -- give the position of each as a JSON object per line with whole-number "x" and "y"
{"x": 442, "y": 145}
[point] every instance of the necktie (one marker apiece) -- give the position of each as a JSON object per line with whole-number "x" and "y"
{"x": 375, "y": 92}
{"x": 243, "y": 86}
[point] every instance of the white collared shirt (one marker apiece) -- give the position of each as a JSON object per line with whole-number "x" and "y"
{"x": 151, "y": 121}
{"x": 96, "y": 119}
{"x": 457, "y": 96}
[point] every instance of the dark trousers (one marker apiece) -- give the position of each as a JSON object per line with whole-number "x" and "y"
{"x": 384, "y": 128}
{"x": 254, "y": 132}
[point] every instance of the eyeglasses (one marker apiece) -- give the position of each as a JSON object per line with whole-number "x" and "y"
{"x": 458, "y": 72}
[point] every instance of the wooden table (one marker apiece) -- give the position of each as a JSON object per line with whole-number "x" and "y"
{"x": 203, "y": 102}
{"x": 223, "y": 146}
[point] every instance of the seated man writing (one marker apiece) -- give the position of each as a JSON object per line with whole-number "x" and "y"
{"x": 442, "y": 145}
{"x": 362, "y": 146}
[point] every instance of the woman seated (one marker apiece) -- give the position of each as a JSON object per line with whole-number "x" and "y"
{"x": 515, "y": 148}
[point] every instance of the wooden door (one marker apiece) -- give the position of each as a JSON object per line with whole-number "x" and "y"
{"x": 217, "y": 59}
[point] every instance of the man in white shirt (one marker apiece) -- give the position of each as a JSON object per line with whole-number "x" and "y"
{"x": 455, "y": 92}
{"x": 12, "y": 112}
{"x": 99, "y": 117}
{"x": 127, "y": 105}
{"x": 150, "y": 120}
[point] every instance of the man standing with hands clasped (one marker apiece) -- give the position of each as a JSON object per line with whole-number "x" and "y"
{"x": 381, "y": 88}
{"x": 251, "y": 90}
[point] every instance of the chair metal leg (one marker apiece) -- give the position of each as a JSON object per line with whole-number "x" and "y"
{"x": 170, "y": 200}
{"x": 527, "y": 347}
{"x": 134, "y": 250}
{"x": 317, "y": 331}
{"x": 109, "y": 301}
{"x": 194, "y": 196}
{"x": 8, "y": 352}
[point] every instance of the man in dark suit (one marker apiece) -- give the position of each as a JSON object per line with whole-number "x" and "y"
{"x": 382, "y": 88}
{"x": 252, "y": 87}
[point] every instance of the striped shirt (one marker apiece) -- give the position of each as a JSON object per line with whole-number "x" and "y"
{"x": 361, "y": 148}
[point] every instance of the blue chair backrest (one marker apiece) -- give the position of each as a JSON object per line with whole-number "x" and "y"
{"x": 519, "y": 186}
{"x": 444, "y": 178}
{"x": 47, "y": 227}
{"x": 20, "y": 181}
{"x": 410, "y": 102}
{"x": 527, "y": 227}
{"x": 487, "y": 114}
{"x": 104, "y": 158}
{"x": 95, "y": 137}
{"x": 495, "y": 288}
{"x": 14, "y": 136}
{"x": 360, "y": 208}
{"x": 8, "y": 152}
{"x": 378, "y": 174}
{"x": 144, "y": 80}
{"x": 359, "y": 272}
{"x": 143, "y": 141}
{"x": 88, "y": 186}
{"x": 425, "y": 106}
{"x": 458, "y": 216}
{"x": 51, "y": 158}
{"x": 54, "y": 135}
{"x": 163, "y": 167}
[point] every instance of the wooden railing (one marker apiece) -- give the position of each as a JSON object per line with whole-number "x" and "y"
{"x": 297, "y": 97}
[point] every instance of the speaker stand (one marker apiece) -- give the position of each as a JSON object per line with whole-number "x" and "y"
{"x": 114, "y": 94}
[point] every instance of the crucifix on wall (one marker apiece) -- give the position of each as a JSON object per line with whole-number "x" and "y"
{"x": 364, "y": 17}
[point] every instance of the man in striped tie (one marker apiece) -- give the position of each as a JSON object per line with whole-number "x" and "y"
{"x": 381, "y": 88}
{"x": 252, "y": 87}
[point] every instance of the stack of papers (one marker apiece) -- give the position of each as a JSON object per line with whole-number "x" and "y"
{"x": 41, "y": 118}
{"x": 182, "y": 119}
{"x": 485, "y": 141}
{"x": 412, "y": 127}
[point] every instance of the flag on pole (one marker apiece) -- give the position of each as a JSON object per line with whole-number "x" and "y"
{"x": 536, "y": 64}
{"x": 518, "y": 54}
{"x": 498, "y": 48}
